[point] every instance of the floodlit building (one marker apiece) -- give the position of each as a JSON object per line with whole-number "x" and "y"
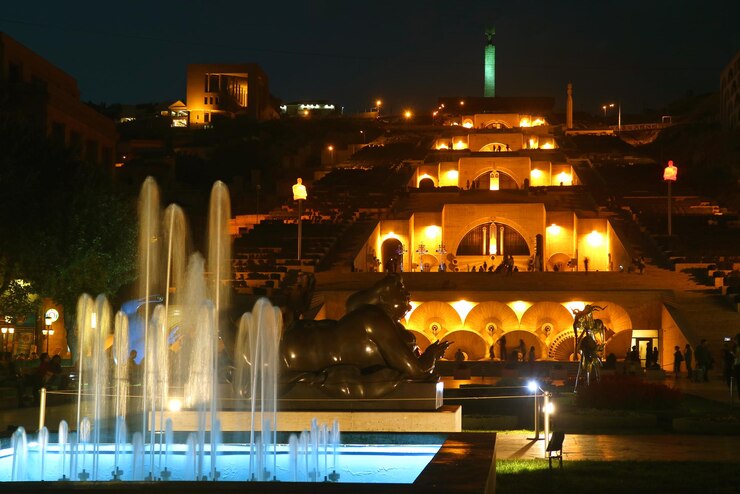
{"x": 227, "y": 90}
{"x": 41, "y": 94}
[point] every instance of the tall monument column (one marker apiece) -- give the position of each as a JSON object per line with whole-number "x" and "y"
{"x": 489, "y": 83}
{"x": 569, "y": 108}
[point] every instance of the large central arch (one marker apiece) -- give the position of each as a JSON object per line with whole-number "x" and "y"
{"x": 487, "y": 238}
{"x": 502, "y": 221}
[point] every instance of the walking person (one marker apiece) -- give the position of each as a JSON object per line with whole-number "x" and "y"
{"x": 677, "y": 359}
{"x": 688, "y": 355}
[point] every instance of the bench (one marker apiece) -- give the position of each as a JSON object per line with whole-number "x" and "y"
{"x": 555, "y": 448}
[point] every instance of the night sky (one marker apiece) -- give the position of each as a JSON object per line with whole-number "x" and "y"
{"x": 643, "y": 53}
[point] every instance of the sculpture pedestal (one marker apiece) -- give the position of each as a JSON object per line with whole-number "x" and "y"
{"x": 445, "y": 419}
{"x": 407, "y": 396}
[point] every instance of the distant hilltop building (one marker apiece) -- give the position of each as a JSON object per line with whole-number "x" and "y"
{"x": 489, "y": 83}
{"x": 729, "y": 94}
{"x": 227, "y": 90}
{"x": 34, "y": 91}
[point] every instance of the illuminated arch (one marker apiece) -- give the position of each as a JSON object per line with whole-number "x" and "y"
{"x": 614, "y": 317}
{"x": 433, "y": 313}
{"x": 514, "y": 242}
{"x": 502, "y": 170}
{"x": 422, "y": 340}
{"x": 561, "y": 347}
{"x": 503, "y": 221}
{"x": 482, "y": 316}
{"x": 559, "y": 260}
{"x": 426, "y": 176}
{"x": 489, "y": 148}
{"x": 541, "y": 313}
{"x": 530, "y": 339}
{"x": 506, "y": 181}
{"x": 619, "y": 344}
{"x": 473, "y": 344}
{"x": 495, "y": 124}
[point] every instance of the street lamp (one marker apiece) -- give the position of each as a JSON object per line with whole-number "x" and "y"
{"x": 5, "y": 340}
{"x": 669, "y": 175}
{"x": 377, "y": 106}
{"x": 299, "y": 194}
{"x": 534, "y": 387}
{"x": 331, "y": 153}
{"x": 407, "y": 114}
{"x": 422, "y": 251}
{"x": 619, "y": 113}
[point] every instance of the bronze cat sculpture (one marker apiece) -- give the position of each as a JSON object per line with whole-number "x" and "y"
{"x": 365, "y": 354}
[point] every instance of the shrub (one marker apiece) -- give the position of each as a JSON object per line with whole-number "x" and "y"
{"x": 628, "y": 393}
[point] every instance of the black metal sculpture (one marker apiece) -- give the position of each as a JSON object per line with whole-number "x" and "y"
{"x": 586, "y": 343}
{"x": 366, "y": 353}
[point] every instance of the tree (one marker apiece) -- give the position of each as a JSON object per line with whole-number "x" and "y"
{"x": 63, "y": 229}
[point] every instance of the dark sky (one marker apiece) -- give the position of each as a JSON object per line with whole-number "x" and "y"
{"x": 643, "y": 53}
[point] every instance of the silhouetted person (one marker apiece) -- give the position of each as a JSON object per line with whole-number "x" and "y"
{"x": 502, "y": 347}
{"x": 677, "y": 359}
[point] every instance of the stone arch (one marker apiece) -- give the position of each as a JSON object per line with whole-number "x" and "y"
{"x": 469, "y": 342}
{"x": 530, "y": 339}
{"x": 422, "y": 340}
{"x": 390, "y": 258}
{"x": 502, "y": 170}
{"x": 504, "y": 221}
{"x": 490, "y": 147}
{"x": 425, "y": 178}
{"x": 429, "y": 314}
{"x": 516, "y": 242}
{"x": 614, "y": 316}
{"x": 495, "y": 124}
{"x": 541, "y": 313}
{"x": 506, "y": 181}
{"x": 558, "y": 262}
{"x": 561, "y": 347}
{"x": 482, "y": 316}
{"x": 619, "y": 343}
{"x": 426, "y": 183}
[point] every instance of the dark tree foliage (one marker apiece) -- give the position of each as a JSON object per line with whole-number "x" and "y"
{"x": 63, "y": 229}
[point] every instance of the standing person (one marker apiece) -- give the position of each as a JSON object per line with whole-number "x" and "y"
{"x": 688, "y": 355}
{"x": 586, "y": 260}
{"x": 649, "y": 354}
{"x": 502, "y": 345}
{"x": 522, "y": 348}
{"x": 654, "y": 360}
{"x": 677, "y": 359}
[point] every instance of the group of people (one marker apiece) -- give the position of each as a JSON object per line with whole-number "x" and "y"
{"x": 507, "y": 266}
{"x": 699, "y": 361}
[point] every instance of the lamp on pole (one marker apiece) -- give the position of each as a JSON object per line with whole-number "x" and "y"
{"x": 299, "y": 194}
{"x": 5, "y": 340}
{"x": 422, "y": 251}
{"x": 669, "y": 175}
{"x": 331, "y": 154}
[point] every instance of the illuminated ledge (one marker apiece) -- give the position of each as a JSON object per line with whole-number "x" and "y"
{"x": 445, "y": 419}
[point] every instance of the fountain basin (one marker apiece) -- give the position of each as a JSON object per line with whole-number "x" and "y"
{"x": 463, "y": 463}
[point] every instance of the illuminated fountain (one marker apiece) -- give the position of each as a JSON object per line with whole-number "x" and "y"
{"x": 122, "y": 429}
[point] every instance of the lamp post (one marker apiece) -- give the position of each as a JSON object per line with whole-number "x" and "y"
{"x": 299, "y": 194}
{"x": 441, "y": 251}
{"x": 5, "y": 340}
{"x": 669, "y": 175}
{"x": 534, "y": 387}
{"x": 331, "y": 154}
{"x": 606, "y": 106}
{"x": 422, "y": 250}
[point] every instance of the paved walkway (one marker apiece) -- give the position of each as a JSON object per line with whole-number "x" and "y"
{"x": 600, "y": 447}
